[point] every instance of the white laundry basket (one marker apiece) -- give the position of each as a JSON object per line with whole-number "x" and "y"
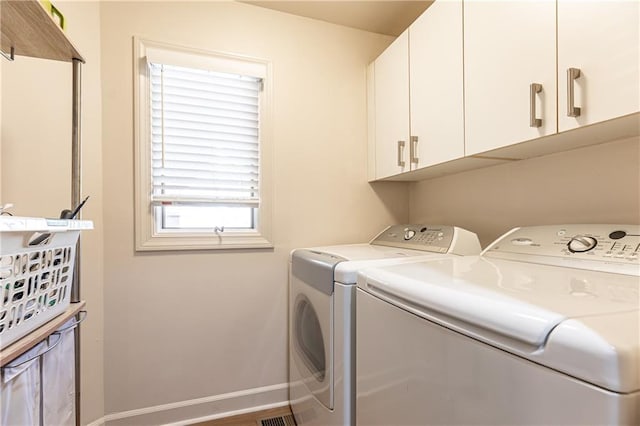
{"x": 36, "y": 272}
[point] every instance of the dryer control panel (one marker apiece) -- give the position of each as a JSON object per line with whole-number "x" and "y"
{"x": 594, "y": 244}
{"x": 432, "y": 238}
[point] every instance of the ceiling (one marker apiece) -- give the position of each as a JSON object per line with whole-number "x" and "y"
{"x": 389, "y": 17}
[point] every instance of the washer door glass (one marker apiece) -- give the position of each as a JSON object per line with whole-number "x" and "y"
{"x": 308, "y": 338}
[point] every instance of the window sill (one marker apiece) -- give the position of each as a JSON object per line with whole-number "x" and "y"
{"x": 173, "y": 242}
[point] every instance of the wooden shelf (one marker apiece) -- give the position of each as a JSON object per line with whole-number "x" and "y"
{"x": 31, "y": 31}
{"x": 39, "y": 334}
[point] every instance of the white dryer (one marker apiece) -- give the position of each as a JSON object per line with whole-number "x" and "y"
{"x": 322, "y": 313}
{"x": 542, "y": 329}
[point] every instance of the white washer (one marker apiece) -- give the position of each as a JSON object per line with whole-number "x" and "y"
{"x": 542, "y": 329}
{"x": 322, "y": 313}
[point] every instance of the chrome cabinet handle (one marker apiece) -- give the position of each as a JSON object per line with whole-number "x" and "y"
{"x": 572, "y": 74}
{"x": 413, "y": 150}
{"x": 400, "y": 153}
{"x": 534, "y": 88}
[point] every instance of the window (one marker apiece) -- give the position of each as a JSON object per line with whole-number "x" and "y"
{"x": 202, "y": 149}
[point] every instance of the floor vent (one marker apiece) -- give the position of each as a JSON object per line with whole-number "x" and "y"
{"x": 278, "y": 421}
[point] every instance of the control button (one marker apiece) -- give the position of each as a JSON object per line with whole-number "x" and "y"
{"x": 409, "y": 234}
{"x": 608, "y": 254}
{"x": 633, "y": 256}
{"x": 616, "y": 235}
{"x": 423, "y": 229}
{"x": 619, "y": 254}
{"x": 581, "y": 244}
{"x": 440, "y": 234}
{"x": 522, "y": 241}
{"x": 561, "y": 232}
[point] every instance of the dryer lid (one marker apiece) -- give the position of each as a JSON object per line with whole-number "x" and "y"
{"x": 366, "y": 251}
{"x": 523, "y": 308}
{"x": 354, "y": 257}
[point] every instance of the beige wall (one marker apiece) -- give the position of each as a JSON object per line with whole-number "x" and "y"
{"x": 181, "y": 326}
{"x": 598, "y": 184}
{"x": 36, "y": 164}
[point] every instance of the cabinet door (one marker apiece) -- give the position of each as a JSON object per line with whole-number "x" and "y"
{"x": 601, "y": 39}
{"x": 436, "y": 84}
{"x": 392, "y": 108}
{"x": 371, "y": 122}
{"x": 507, "y": 47}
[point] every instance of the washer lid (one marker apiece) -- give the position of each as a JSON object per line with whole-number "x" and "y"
{"x": 527, "y": 309}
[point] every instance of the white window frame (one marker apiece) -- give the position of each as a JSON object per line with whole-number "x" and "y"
{"x": 147, "y": 238}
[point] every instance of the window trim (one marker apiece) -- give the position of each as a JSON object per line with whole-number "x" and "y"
{"x": 146, "y": 236}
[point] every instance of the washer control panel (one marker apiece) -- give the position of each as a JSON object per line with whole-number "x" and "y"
{"x": 432, "y": 238}
{"x": 604, "y": 243}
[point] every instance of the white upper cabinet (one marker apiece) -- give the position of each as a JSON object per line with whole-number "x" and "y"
{"x": 391, "y": 86}
{"x": 601, "y": 40}
{"x": 509, "y": 72}
{"x": 418, "y": 94}
{"x": 436, "y": 85}
{"x": 473, "y": 81}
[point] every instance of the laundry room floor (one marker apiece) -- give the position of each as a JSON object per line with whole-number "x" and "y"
{"x": 250, "y": 419}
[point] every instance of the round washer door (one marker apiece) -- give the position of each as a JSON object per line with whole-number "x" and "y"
{"x": 311, "y": 336}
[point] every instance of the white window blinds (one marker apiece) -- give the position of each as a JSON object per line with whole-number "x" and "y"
{"x": 205, "y": 136}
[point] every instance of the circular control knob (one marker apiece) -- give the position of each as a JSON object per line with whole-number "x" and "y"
{"x": 616, "y": 235}
{"x": 408, "y": 234}
{"x": 581, "y": 244}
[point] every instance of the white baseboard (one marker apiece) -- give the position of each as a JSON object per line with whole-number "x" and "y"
{"x": 202, "y": 409}
{"x": 98, "y": 422}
